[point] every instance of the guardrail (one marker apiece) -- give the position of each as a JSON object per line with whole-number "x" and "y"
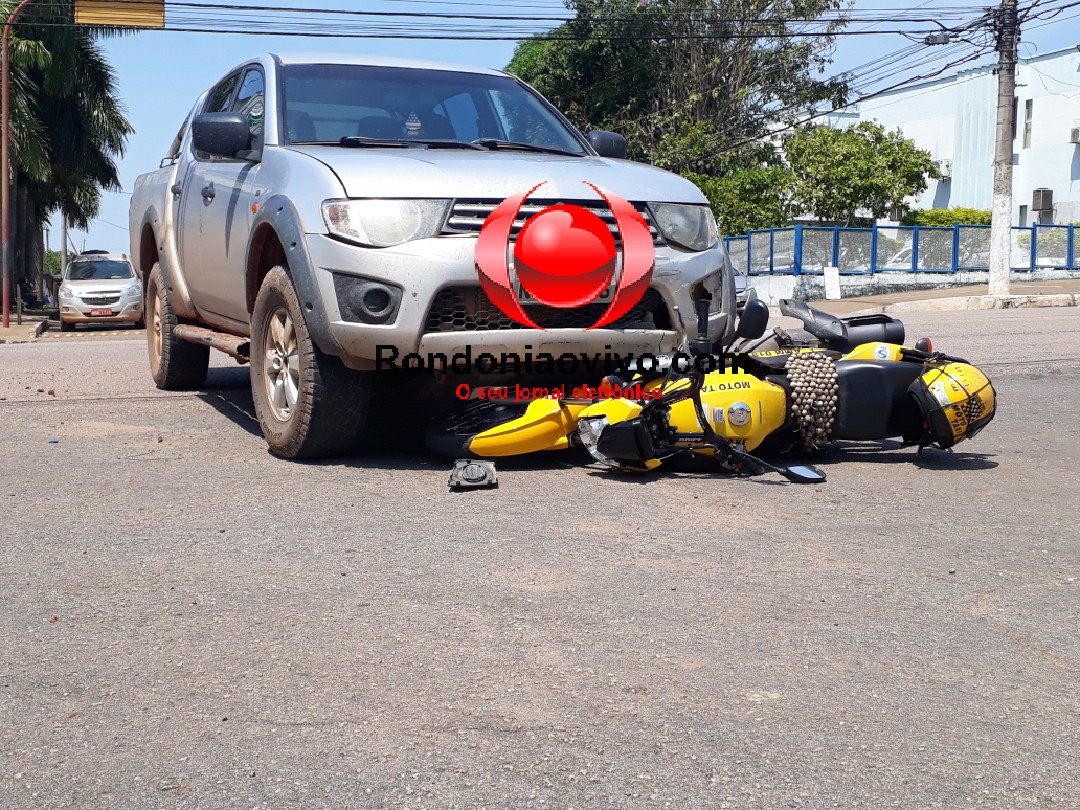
{"x": 808, "y": 250}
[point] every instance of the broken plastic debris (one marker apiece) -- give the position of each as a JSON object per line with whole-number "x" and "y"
{"x": 470, "y": 473}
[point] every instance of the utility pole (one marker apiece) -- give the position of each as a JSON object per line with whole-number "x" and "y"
{"x": 1008, "y": 35}
{"x": 63, "y": 245}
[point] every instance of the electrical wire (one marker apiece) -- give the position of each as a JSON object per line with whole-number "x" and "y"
{"x": 281, "y": 20}
{"x": 823, "y": 113}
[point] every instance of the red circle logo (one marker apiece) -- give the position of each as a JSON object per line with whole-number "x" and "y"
{"x": 565, "y": 256}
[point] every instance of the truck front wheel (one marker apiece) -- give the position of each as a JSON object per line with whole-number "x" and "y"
{"x": 174, "y": 364}
{"x": 308, "y": 403}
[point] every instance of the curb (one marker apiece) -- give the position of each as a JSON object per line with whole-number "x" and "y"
{"x": 29, "y": 335}
{"x": 976, "y": 302}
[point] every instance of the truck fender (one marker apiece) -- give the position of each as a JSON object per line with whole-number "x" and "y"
{"x": 279, "y": 214}
{"x": 179, "y": 294}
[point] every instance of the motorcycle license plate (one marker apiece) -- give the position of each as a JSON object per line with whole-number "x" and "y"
{"x": 101, "y": 312}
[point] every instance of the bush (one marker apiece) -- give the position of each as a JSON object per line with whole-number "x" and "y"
{"x": 947, "y": 217}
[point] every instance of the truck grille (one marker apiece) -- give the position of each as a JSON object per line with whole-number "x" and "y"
{"x": 468, "y": 309}
{"x": 467, "y": 216}
{"x": 100, "y": 300}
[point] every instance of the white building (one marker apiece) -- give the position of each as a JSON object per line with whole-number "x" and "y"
{"x": 954, "y": 118}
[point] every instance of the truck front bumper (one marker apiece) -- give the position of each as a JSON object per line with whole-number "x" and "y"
{"x": 423, "y": 276}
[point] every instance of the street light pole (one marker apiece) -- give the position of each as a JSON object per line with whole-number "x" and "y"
{"x": 5, "y": 170}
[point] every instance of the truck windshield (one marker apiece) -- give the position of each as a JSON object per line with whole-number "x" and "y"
{"x": 100, "y": 269}
{"x": 325, "y": 103}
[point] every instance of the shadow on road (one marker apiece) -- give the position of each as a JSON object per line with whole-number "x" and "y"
{"x": 398, "y": 443}
{"x": 892, "y": 452}
{"x": 228, "y": 391}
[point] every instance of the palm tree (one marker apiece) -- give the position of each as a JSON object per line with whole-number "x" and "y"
{"x": 67, "y": 124}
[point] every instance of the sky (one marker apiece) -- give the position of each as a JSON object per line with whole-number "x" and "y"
{"x": 160, "y": 74}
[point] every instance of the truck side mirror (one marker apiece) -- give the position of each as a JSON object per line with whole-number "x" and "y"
{"x": 221, "y": 133}
{"x": 608, "y": 144}
{"x": 755, "y": 318}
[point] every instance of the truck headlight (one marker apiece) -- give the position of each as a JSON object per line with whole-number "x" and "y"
{"x": 589, "y": 430}
{"x": 689, "y": 226}
{"x": 384, "y": 223}
{"x": 65, "y": 292}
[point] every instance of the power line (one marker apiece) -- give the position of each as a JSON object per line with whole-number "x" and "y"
{"x": 281, "y": 20}
{"x": 830, "y": 111}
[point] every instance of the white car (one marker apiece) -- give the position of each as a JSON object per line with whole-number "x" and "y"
{"x": 100, "y": 288}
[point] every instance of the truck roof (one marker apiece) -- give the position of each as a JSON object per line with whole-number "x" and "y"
{"x": 317, "y": 58}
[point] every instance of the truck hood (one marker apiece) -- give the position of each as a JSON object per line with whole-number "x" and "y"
{"x": 445, "y": 173}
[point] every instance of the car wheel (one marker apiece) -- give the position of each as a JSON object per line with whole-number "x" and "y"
{"x": 309, "y": 404}
{"x": 175, "y": 365}
{"x": 66, "y": 326}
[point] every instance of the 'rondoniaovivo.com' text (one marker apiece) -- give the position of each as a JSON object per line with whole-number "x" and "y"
{"x": 389, "y": 359}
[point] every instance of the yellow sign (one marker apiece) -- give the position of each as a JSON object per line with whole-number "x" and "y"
{"x": 121, "y": 13}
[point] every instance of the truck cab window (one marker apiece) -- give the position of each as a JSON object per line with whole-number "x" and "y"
{"x": 249, "y": 103}
{"x": 222, "y": 94}
{"x": 218, "y": 101}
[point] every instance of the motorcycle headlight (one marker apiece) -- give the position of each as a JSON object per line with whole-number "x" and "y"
{"x": 384, "y": 223}
{"x": 134, "y": 289}
{"x": 589, "y": 430}
{"x": 689, "y": 226}
{"x": 65, "y": 292}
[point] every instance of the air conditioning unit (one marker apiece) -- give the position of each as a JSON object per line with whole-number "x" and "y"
{"x": 944, "y": 168}
{"x": 1074, "y": 135}
{"x": 1042, "y": 199}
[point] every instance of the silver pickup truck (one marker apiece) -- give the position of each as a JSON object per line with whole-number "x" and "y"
{"x": 318, "y": 214}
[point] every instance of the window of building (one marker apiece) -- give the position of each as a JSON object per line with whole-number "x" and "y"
{"x": 1023, "y": 216}
{"x": 1027, "y": 123}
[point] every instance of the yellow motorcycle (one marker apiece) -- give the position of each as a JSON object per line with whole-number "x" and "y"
{"x": 727, "y": 405}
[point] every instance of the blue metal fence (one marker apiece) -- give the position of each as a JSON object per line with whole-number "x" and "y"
{"x": 808, "y": 250}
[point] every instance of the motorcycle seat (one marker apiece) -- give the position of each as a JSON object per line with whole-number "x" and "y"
{"x": 844, "y": 334}
{"x": 873, "y": 400}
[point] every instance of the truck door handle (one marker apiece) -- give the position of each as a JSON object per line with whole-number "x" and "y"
{"x": 176, "y": 189}
{"x": 208, "y": 192}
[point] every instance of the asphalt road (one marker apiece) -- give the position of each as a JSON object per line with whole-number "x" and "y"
{"x": 188, "y": 622}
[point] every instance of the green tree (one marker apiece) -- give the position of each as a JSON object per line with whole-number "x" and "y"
{"x": 749, "y": 198}
{"x": 840, "y": 172}
{"x": 52, "y": 263}
{"x": 67, "y": 124}
{"x": 690, "y": 83}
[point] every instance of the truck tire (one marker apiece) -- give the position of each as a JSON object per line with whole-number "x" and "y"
{"x": 309, "y": 404}
{"x": 66, "y": 326}
{"x": 175, "y": 365}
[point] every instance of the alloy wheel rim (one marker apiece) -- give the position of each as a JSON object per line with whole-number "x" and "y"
{"x": 281, "y": 365}
{"x": 155, "y": 330}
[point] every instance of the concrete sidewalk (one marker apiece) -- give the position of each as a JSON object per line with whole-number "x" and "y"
{"x": 33, "y": 324}
{"x": 1057, "y": 292}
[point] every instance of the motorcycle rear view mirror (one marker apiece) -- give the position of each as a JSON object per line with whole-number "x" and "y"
{"x": 754, "y": 319}
{"x": 802, "y": 474}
